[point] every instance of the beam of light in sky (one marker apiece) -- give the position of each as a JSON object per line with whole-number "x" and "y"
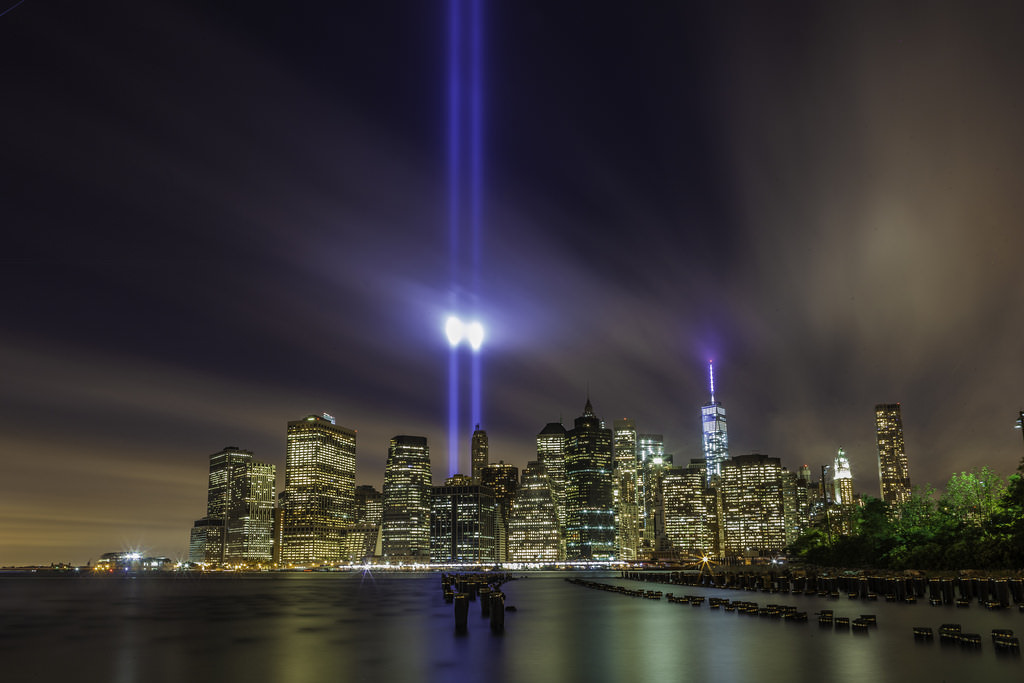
{"x": 465, "y": 185}
{"x": 454, "y": 146}
{"x": 476, "y": 153}
{"x": 453, "y": 409}
{"x": 12, "y": 7}
{"x": 454, "y": 330}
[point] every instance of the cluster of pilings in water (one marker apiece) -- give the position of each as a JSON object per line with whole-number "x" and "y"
{"x": 953, "y": 634}
{"x": 745, "y": 607}
{"x": 461, "y": 589}
{"x": 989, "y": 592}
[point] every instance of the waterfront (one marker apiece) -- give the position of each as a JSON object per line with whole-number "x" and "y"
{"x": 397, "y": 627}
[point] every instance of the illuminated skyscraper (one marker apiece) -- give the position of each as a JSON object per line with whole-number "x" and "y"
{"x": 590, "y": 506}
{"x": 551, "y": 454}
{"x": 478, "y": 452}
{"x": 533, "y": 531}
{"x": 319, "y": 498}
{"x": 753, "y": 511}
{"x": 462, "y": 523}
{"x": 503, "y": 480}
{"x": 842, "y": 480}
{"x": 716, "y": 437}
{"x": 363, "y": 540}
{"x": 238, "y": 527}
{"x": 628, "y": 495}
{"x": 369, "y": 505}
{"x": 407, "y": 491}
{"x": 652, "y": 460}
{"x": 893, "y": 474}
{"x": 689, "y": 510}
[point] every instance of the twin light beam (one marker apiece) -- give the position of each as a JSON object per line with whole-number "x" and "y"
{"x": 465, "y": 189}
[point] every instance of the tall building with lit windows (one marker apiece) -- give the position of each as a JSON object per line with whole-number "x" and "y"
{"x": 713, "y": 428}
{"x": 753, "y": 506}
{"x": 893, "y": 474}
{"x": 551, "y": 454}
{"x": 238, "y": 527}
{"x": 842, "y": 480}
{"x": 319, "y": 498}
{"x": 589, "y": 501}
{"x": 503, "y": 479}
{"x": 478, "y": 450}
{"x": 463, "y": 521}
{"x": 534, "y": 534}
{"x": 652, "y": 461}
{"x": 689, "y": 511}
{"x": 626, "y": 491}
{"x": 407, "y": 492}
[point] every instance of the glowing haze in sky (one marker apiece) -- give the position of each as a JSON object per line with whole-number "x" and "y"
{"x": 218, "y": 220}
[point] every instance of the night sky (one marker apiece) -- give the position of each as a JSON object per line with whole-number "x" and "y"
{"x": 219, "y": 216}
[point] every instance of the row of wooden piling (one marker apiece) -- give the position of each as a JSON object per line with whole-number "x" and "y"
{"x": 991, "y": 593}
{"x": 461, "y": 589}
{"x": 953, "y": 634}
{"x": 771, "y": 611}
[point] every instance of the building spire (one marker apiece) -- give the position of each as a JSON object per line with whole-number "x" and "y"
{"x": 711, "y": 375}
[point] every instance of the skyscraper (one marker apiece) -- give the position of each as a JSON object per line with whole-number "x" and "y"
{"x": 589, "y": 503}
{"x": 503, "y": 480}
{"x": 479, "y": 453}
{"x": 689, "y": 510}
{"x": 551, "y": 454}
{"x": 407, "y": 491}
{"x": 893, "y": 474}
{"x": 319, "y": 497}
{"x": 462, "y": 523}
{"x": 652, "y": 460}
{"x": 753, "y": 510}
{"x": 238, "y": 527}
{"x": 627, "y": 493}
{"x": 716, "y": 437}
{"x": 842, "y": 480}
{"x": 533, "y": 531}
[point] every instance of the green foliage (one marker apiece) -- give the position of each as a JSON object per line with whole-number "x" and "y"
{"x": 977, "y": 523}
{"x": 973, "y": 497}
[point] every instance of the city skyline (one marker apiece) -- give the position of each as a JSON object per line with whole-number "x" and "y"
{"x": 219, "y": 223}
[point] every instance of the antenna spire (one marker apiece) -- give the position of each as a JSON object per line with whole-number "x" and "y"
{"x": 711, "y": 375}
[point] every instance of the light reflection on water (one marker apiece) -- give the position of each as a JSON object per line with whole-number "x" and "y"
{"x": 388, "y": 627}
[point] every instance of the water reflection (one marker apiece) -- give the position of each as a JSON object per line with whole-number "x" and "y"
{"x": 355, "y": 627}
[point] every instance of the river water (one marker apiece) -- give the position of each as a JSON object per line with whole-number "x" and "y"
{"x": 397, "y": 628}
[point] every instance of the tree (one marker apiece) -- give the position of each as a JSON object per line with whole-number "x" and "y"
{"x": 972, "y": 498}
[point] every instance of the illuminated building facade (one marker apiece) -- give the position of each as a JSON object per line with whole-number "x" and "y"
{"x": 893, "y": 474}
{"x": 652, "y": 460}
{"x": 753, "y": 512}
{"x": 503, "y": 480}
{"x": 716, "y": 436}
{"x": 798, "y": 496}
{"x": 479, "y": 453}
{"x": 462, "y": 524}
{"x": 842, "y": 480}
{"x": 589, "y": 503}
{"x": 407, "y": 491}
{"x": 689, "y": 511}
{"x": 363, "y": 541}
{"x": 627, "y": 493}
{"x": 533, "y": 531}
{"x": 319, "y": 497}
{"x": 369, "y": 505}
{"x": 551, "y": 454}
{"x": 238, "y": 527}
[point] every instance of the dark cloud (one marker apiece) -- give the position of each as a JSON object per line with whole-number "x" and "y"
{"x": 222, "y": 222}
